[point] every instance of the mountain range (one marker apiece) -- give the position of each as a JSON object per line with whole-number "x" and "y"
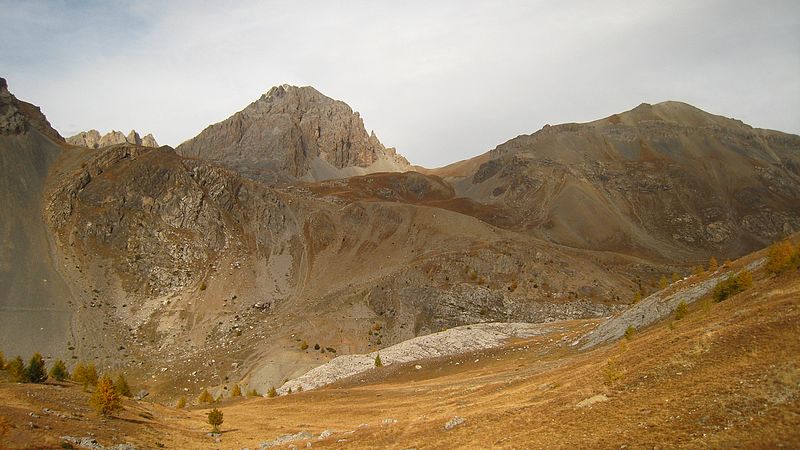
{"x": 288, "y": 224}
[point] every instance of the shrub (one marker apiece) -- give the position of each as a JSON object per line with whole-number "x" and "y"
{"x": 713, "y": 265}
{"x": 215, "y": 419}
{"x": 252, "y": 393}
{"x": 16, "y": 370}
{"x": 612, "y": 373}
{"x": 783, "y": 256}
{"x": 59, "y": 371}
{"x": 205, "y": 397}
{"x": 663, "y": 283}
{"x": 203, "y": 286}
{"x": 732, "y": 286}
{"x": 637, "y": 297}
{"x": 237, "y": 391}
{"x": 105, "y": 399}
{"x": 630, "y": 332}
{"x": 378, "y": 362}
{"x": 289, "y": 391}
{"x": 304, "y": 345}
{"x": 316, "y": 346}
{"x": 272, "y": 392}
{"x": 36, "y": 372}
{"x": 681, "y": 310}
{"x": 122, "y": 387}
{"x": 181, "y": 403}
{"x": 85, "y": 374}
{"x": 675, "y": 277}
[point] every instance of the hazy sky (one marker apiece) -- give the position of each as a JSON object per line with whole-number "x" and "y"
{"x": 441, "y": 81}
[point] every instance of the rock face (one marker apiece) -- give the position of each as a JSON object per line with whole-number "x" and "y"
{"x": 93, "y": 139}
{"x": 294, "y": 133}
{"x": 667, "y": 181}
{"x": 17, "y": 117}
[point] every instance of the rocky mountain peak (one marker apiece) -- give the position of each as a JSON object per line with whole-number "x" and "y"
{"x": 18, "y": 117}
{"x": 294, "y": 133}
{"x": 93, "y": 139}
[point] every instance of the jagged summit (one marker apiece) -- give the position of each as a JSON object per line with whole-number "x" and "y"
{"x": 294, "y": 133}
{"x": 18, "y": 117}
{"x": 93, "y": 139}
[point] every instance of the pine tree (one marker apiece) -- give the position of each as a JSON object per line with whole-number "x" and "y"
{"x": 272, "y": 392}
{"x": 237, "y": 391}
{"x": 36, "y": 371}
{"x": 105, "y": 399}
{"x": 16, "y": 369}
{"x": 205, "y": 397}
{"x": 378, "y": 362}
{"x": 59, "y": 371}
{"x": 713, "y": 265}
{"x": 215, "y": 419}
{"x": 122, "y": 387}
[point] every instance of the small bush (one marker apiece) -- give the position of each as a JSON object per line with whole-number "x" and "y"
{"x": 304, "y": 345}
{"x": 59, "y": 371}
{"x": 713, "y": 265}
{"x": 181, "y": 403}
{"x": 732, "y": 286}
{"x": 215, "y": 419}
{"x": 289, "y": 391}
{"x": 612, "y": 373}
{"x": 85, "y": 374}
{"x": 16, "y": 370}
{"x": 252, "y": 393}
{"x": 271, "y": 393}
{"x": 630, "y": 332}
{"x": 637, "y": 297}
{"x": 316, "y": 346}
{"x": 36, "y": 371}
{"x": 105, "y": 399}
{"x": 237, "y": 391}
{"x": 663, "y": 283}
{"x": 783, "y": 256}
{"x": 203, "y": 286}
{"x": 681, "y": 310}
{"x": 122, "y": 387}
{"x": 378, "y": 362}
{"x": 205, "y": 397}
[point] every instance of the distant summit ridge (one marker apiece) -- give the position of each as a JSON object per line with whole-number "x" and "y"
{"x": 292, "y": 133}
{"x": 93, "y": 139}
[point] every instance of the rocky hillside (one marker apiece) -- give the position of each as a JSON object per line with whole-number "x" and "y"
{"x": 18, "y": 117}
{"x": 665, "y": 181}
{"x": 93, "y": 139}
{"x": 294, "y": 133}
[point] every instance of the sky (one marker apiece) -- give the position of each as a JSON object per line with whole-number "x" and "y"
{"x": 440, "y": 81}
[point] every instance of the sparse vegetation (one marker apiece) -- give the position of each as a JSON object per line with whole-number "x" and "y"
{"x": 237, "y": 391}
{"x": 271, "y": 393}
{"x": 783, "y": 257}
{"x": 215, "y": 419}
{"x": 663, "y": 283}
{"x": 121, "y": 386}
{"x": 85, "y": 374}
{"x": 637, "y": 297}
{"x": 304, "y": 345}
{"x": 713, "y": 265}
{"x": 732, "y": 286}
{"x": 203, "y": 286}
{"x": 181, "y": 403}
{"x": 205, "y": 397}
{"x": 105, "y": 400}
{"x": 378, "y": 362}
{"x": 253, "y": 393}
{"x": 630, "y": 332}
{"x": 681, "y": 310}
{"x": 59, "y": 371}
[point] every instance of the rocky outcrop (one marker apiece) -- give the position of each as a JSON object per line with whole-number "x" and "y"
{"x": 93, "y": 139}
{"x": 294, "y": 133}
{"x": 17, "y": 117}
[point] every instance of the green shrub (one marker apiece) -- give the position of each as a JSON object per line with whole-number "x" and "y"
{"x": 59, "y": 371}
{"x": 215, "y": 419}
{"x": 181, "y": 403}
{"x": 630, "y": 332}
{"x": 378, "y": 362}
{"x": 681, "y": 310}
{"x": 16, "y": 370}
{"x": 36, "y": 371}
{"x": 732, "y": 286}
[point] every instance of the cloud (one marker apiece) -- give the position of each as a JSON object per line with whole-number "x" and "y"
{"x": 441, "y": 81}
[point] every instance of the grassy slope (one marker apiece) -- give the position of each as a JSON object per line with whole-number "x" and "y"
{"x": 728, "y": 374}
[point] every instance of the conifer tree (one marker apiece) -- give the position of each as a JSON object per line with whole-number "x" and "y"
{"x": 205, "y": 397}
{"x": 16, "y": 370}
{"x": 215, "y": 419}
{"x": 237, "y": 391}
{"x": 122, "y": 387}
{"x": 59, "y": 371}
{"x": 105, "y": 399}
{"x": 378, "y": 362}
